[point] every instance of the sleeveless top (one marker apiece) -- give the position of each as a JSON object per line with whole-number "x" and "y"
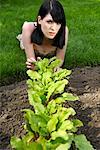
{"x": 49, "y": 55}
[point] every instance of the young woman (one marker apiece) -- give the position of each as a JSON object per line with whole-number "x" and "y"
{"x": 48, "y": 36}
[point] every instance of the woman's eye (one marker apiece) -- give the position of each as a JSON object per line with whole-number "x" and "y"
{"x": 50, "y": 21}
{"x": 58, "y": 23}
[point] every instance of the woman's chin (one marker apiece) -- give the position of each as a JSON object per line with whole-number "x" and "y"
{"x": 51, "y": 37}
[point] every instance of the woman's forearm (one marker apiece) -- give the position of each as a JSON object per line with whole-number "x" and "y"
{"x": 26, "y": 34}
{"x": 28, "y": 46}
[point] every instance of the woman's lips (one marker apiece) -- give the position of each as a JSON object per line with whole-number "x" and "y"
{"x": 51, "y": 33}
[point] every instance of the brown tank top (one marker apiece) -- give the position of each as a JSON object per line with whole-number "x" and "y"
{"x": 49, "y": 55}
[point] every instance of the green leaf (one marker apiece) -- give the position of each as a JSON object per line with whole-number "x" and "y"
{"x": 59, "y": 100}
{"x": 30, "y": 83}
{"x": 64, "y": 113}
{"x": 51, "y": 107}
{"x": 43, "y": 98}
{"x": 42, "y": 65}
{"x": 42, "y": 141}
{"x": 38, "y": 123}
{"x": 34, "y": 146}
{"x": 59, "y": 133}
{"x": 31, "y": 119}
{"x": 39, "y": 108}
{"x": 82, "y": 143}
{"x": 55, "y": 63}
{"x": 28, "y": 137}
{"x": 64, "y": 146}
{"x": 70, "y": 97}
{"x": 50, "y": 146}
{"x": 52, "y": 59}
{"x": 34, "y": 75}
{"x": 51, "y": 125}
{"x": 50, "y": 90}
{"x": 66, "y": 125}
{"x": 37, "y": 86}
{"x": 60, "y": 85}
{"x": 17, "y": 143}
{"x": 57, "y": 87}
{"x": 46, "y": 77}
{"x": 77, "y": 123}
{"x": 61, "y": 74}
{"x": 34, "y": 97}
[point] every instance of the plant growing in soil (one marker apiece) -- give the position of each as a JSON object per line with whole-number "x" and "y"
{"x": 50, "y": 125}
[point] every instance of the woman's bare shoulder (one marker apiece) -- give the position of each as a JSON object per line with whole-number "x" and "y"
{"x": 29, "y": 25}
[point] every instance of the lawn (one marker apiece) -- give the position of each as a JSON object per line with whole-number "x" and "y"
{"x": 84, "y": 34}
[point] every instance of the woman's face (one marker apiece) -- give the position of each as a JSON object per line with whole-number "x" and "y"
{"x": 48, "y": 26}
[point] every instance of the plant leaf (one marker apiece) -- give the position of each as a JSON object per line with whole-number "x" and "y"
{"x": 55, "y": 63}
{"x": 57, "y": 87}
{"x": 34, "y": 75}
{"x": 64, "y": 146}
{"x": 34, "y": 146}
{"x": 39, "y": 108}
{"x": 28, "y": 137}
{"x": 70, "y": 97}
{"x": 51, "y": 125}
{"x": 59, "y": 133}
{"x": 65, "y": 113}
{"x": 51, "y": 107}
{"x": 77, "y": 123}
{"x": 82, "y": 143}
{"x": 46, "y": 77}
{"x": 33, "y": 97}
{"x": 61, "y": 74}
{"x": 59, "y": 100}
{"x": 60, "y": 85}
{"x": 66, "y": 125}
{"x": 17, "y": 143}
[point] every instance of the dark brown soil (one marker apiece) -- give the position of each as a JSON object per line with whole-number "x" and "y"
{"x": 85, "y": 82}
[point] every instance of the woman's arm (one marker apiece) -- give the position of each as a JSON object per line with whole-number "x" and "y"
{"x": 27, "y": 30}
{"x": 61, "y": 52}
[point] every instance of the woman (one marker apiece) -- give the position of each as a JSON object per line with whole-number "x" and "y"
{"x": 48, "y": 36}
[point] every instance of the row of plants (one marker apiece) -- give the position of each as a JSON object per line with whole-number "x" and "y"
{"x": 50, "y": 125}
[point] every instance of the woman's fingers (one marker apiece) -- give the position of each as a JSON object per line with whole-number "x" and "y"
{"x": 28, "y": 63}
{"x": 38, "y": 58}
{"x": 31, "y": 60}
{"x": 31, "y": 67}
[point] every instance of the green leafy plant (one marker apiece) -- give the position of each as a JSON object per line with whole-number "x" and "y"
{"x": 50, "y": 126}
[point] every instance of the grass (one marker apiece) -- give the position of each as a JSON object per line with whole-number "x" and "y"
{"x": 84, "y": 34}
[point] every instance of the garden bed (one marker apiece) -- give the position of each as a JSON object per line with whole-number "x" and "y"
{"x": 85, "y": 82}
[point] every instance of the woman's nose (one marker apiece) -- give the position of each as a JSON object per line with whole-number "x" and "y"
{"x": 53, "y": 26}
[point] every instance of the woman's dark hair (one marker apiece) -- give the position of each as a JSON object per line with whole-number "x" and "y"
{"x": 57, "y": 12}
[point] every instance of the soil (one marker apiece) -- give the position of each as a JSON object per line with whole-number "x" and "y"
{"x": 85, "y": 82}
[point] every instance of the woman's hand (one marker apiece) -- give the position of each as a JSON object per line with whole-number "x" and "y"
{"x": 30, "y": 63}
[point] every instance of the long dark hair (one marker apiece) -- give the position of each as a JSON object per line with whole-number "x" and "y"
{"x": 56, "y": 10}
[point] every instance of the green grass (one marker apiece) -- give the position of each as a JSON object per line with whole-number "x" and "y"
{"x": 83, "y": 49}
